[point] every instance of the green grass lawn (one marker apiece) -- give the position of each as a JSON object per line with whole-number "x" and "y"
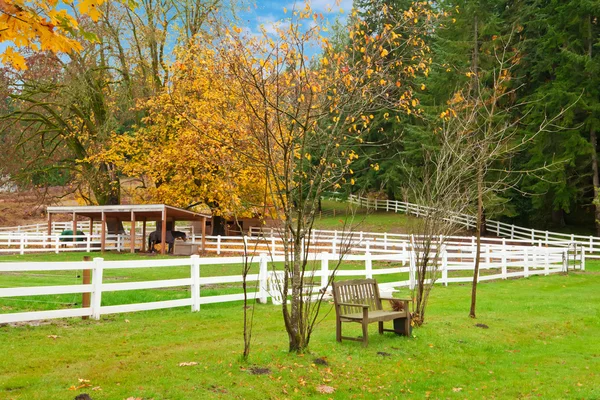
{"x": 542, "y": 341}
{"x": 341, "y": 215}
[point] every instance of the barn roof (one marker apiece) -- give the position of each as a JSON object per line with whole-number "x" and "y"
{"x": 124, "y": 212}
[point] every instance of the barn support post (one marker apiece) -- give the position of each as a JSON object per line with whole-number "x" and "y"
{"x": 74, "y": 227}
{"x": 163, "y": 231}
{"x": 103, "y": 233}
{"x": 132, "y": 233}
{"x": 49, "y": 228}
{"x": 204, "y": 233}
{"x": 144, "y": 235}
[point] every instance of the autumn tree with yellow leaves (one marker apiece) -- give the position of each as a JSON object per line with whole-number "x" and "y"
{"x": 42, "y": 25}
{"x": 306, "y": 105}
{"x": 192, "y": 149}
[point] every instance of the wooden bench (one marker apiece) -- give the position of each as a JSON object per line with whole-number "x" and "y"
{"x": 359, "y": 301}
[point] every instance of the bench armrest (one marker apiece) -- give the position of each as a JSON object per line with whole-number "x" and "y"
{"x": 394, "y": 298}
{"x": 352, "y": 305}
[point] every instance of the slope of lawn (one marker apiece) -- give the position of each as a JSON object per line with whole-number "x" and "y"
{"x": 337, "y": 215}
{"x": 540, "y": 339}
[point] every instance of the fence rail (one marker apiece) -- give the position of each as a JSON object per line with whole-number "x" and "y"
{"x": 591, "y": 244}
{"x": 503, "y": 262}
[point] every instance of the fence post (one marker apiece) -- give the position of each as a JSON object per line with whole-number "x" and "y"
{"x": 97, "y": 287}
{"x": 488, "y": 256}
{"x": 526, "y": 262}
{"x": 504, "y": 266}
{"x": 444, "y": 265}
{"x": 368, "y": 261}
{"x": 195, "y": 287}
{"x": 273, "y": 244}
{"x": 218, "y": 244}
{"x": 385, "y": 240}
{"x": 565, "y": 260}
{"x": 88, "y": 246}
{"x": 324, "y": 270}
{"x": 411, "y": 269}
{"x": 56, "y": 244}
{"x": 546, "y": 238}
{"x": 498, "y": 228}
{"x": 262, "y": 277}
{"x": 547, "y": 261}
{"x": 22, "y": 244}
{"x": 582, "y": 267}
{"x": 512, "y": 231}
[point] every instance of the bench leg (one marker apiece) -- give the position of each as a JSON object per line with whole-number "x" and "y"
{"x": 338, "y": 330}
{"x": 381, "y": 327}
{"x": 365, "y": 330}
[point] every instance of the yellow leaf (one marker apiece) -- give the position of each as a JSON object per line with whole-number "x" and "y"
{"x": 10, "y": 56}
{"x": 90, "y": 7}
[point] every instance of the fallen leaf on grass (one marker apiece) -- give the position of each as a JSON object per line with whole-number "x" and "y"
{"x": 456, "y": 389}
{"x": 53, "y": 336}
{"x": 126, "y": 321}
{"x": 134, "y": 398}
{"x": 96, "y": 388}
{"x": 83, "y": 383}
{"x": 188, "y": 364}
{"x": 324, "y": 389}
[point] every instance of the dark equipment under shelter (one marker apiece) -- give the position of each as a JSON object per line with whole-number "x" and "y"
{"x": 114, "y": 216}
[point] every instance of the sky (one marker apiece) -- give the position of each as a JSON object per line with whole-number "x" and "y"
{"x": 268, "y": 13}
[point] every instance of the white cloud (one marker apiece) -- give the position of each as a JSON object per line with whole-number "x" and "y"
{"x": 323, "y": 6}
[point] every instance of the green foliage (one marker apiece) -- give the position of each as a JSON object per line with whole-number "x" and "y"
{"x": 558, "y": 66}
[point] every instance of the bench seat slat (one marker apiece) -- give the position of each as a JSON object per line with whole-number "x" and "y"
{"x": 375, "y": 316}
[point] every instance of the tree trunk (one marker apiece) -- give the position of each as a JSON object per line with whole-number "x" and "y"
{"x": 295, "y": 333}
{"x": 595, "y": 179}
{"x": 475, "y": 60}
{"x": 478, "y": 238}
{"x": 594, "y": 143}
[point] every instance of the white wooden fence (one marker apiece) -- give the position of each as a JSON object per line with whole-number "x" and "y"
{"x": 591, "y": 244}
{"x": 31, "y": 242}
{"x": 507, "y": 262}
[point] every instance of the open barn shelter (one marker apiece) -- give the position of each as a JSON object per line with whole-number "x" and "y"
{"x": 164, "y": 215}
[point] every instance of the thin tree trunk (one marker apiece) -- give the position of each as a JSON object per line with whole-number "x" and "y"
{"x": 475, "y": 60}
{"x": 295, "y": 334}
{"x": 595, "y": 178}
{"x": 594, "y": 143}
{"x": 478, "y": 238}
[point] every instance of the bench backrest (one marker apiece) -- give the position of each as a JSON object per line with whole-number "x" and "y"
{"x": 359, "y": 291}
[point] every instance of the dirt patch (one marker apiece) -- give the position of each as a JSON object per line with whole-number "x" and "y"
{"x": 383, "y": 354}
{"x": 260, "y": 371}
{"x": 320, "y": 361}
{"x": 483, "y": 326}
